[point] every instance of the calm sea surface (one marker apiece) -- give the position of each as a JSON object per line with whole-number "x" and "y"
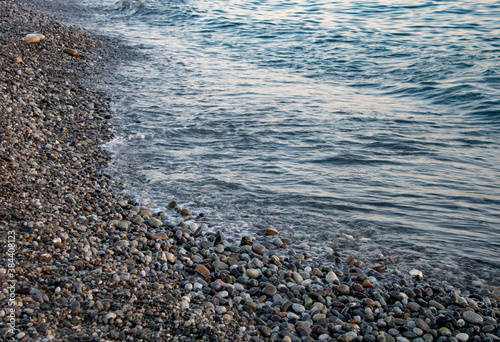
{"x": 370, "y": 127}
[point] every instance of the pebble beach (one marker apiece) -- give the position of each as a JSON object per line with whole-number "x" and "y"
{"x": 83, "y": 262}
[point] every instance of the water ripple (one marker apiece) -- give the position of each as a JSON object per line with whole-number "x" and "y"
{"x": 377, "y": 119}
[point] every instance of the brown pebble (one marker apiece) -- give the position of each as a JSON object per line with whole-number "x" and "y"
{"x": 145, "y": 212}
{"x": 368, "y": 302}
{"x": 34, "y": 38}
{"x": 259, "y": 249}
{"x": 18, "y": 59}
{"x": 71, "y": 52}
{"x": 160, "y": 236}
{"x": 271, "y": 232}
{"x": 350, "y": 260}
{"x": 87, "y": 208}
{"x": 203, "y": 271}
{"x": 344, "y": 289}
{"x": 246, "y": 241}
{"x": 185, "y": 212}
{"x": 357, "y": 287}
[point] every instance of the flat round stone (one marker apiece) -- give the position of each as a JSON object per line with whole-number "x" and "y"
{"x": 472, "y": 317}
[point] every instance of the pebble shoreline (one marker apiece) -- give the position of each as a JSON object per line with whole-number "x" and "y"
{"x": 92, "y": 265}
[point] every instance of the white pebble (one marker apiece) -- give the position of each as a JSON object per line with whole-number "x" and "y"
{"x": 111, "y": 315}
{"x": 416, "y": 273}
{"x": 34, "y": 37}
{"x": 184, "y": 305}
{"x": 332, "y": 278}
{"x": 220, "y": 309}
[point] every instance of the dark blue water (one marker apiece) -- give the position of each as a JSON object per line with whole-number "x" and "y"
{"x": 369, "y": 127}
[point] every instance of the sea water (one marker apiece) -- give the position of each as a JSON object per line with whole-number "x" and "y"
{"x": 368, "y": 127}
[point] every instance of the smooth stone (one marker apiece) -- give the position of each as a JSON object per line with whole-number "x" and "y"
{"x": 246, "y": 241}
{"x": 318, "y": 316}
{"x": 171, "y": 258}
{"x": 462, "y": 337}
{"x": 297, "y": 277}
{"x": 445, "y": 331}
{"x": 111, "y": 315}
{"x": 277, "y": 242}
{"x": 332, "y": 278}
{"x": 351, "y": 260}
{"x": 348, "y": 337}
{"x": 436, "y": 305}
{"x": 124, "y": 224}
{"x": 271, "y": 232}
{"x": 298, "y": 308}
{"x": 206, "y": 244}
{"x": 422, "y": 324}
{"x": 265, "y": 331}
{"x": 217, "y": 264}
{"x": 489, "y": 328}
{"x": 217, "y": 285}
{"x": 145, "y": 212}
{"x": 184, "y": 305}
{"x": 34, "y": 37}
{"x": 154, "y": 222}
{"x": 412, "y": 306}
{"x": 221, "y": 310}
{"x": 160, "y": 236}
{"x": 74, "y": 306}
{"x": 202, "y": 270}
{"x": 402, "y": 339}
{"x": 258, "y": 248}
{"x": 185, "y": 212}
{"x": 269, "y": 290}
{"x": 416, "y": 273}
{"x": 252, "y": 273}
{"x": 344, "y": 289}
{"x": 257, "y": 263}
{"x": 472, "y": 317}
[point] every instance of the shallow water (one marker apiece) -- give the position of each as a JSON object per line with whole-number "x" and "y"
{"x": 376, "y": 120}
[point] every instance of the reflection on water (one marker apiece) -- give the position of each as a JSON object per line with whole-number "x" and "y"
{"x": 372, "y": 119}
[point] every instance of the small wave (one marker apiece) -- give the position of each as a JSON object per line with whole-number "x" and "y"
{"x": 115, "y": 143}
{"x": 352, "y": 159}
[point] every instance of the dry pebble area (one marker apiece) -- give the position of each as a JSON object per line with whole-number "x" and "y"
{"x": 93, "y": 266}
